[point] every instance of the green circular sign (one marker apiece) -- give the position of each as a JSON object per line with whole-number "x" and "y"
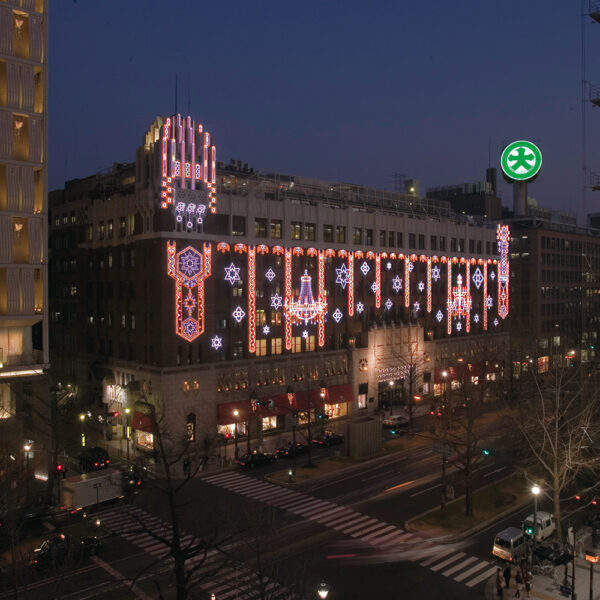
{"x": 521, "y": 160}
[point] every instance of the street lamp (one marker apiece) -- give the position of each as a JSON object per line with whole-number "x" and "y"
{"x": 128, "y": 430}
{"x": 236, "y": 414}
{"x": 292, "y": 404}
{"x": 323, "y": 590}
{"x": 535, "y": 490}
{"x": 82, "y": 421}
{"x": 253, "y": 410}
{"x": 27, "y": 448}
{"x": 592, "y": 557}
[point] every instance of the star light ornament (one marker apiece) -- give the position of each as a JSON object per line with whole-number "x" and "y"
{"x": 439, "y": 316}
{"x": 360, "y": 307}
{"x": 411, "y": 267}
{"x": 238, "y": 314}
{"x": 458, "y": 326}
{"x": 416, "y": 307}
{"x": 305, "y": 334}
{"x": 397, "y": 284}
{"x": 374, "y": 287}
{"x": 216, "y": 343}
{"x": 232, "y": 274}
{"x": 435, "y": 273}
{"x": 495, "y": 322}
{"x": 337, "y": 315}
{"x": 365, "y": 268}
{"x": 388, "y": 266}
{"x": 389, "y": 304}
{"x": 421, "y": 286}
{"x": 276, "y": 301}
{"x": 270, "y": 274}
{"x": 493, "y": 275}
{"x": 476, "y": 318}
{"x": 489, "y": 302}
{"x": 343, "y": 276}
{"x": 477, "y": 278}
{"x": 266, "y": 330}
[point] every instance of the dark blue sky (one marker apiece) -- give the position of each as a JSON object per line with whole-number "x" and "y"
{"x": 345, "y": 90}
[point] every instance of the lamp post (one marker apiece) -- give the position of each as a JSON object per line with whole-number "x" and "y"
{"x": 535, "y": 490}
{"x": 292, "y": 404}
{"x": 82, "y": 421}
{"x": 323, "y": 590}
{"x": 444, "y": 412}
{"x": 27, "y": 448}
{"x": 236, "y": 414}
{"x": 592, "y": 557}
{"x": 253, "y": 411}
{"x": 128, "y": 429}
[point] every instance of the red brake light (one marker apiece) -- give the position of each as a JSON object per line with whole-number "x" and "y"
{"x": 95, "y": 464}
{"x": 139, "y": 483}
{"x": 577, "y": 497}
{"x": 107, "y": 461}
{"x": 594, "y": 502}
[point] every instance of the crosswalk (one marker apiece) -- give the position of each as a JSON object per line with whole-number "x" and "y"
{"x": 445, "y": 560}
{"x": 224, "y": 579}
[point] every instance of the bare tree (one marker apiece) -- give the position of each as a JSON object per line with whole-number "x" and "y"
{"x": 557, "y": 419}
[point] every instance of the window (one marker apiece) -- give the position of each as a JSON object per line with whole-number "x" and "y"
{"x": 123, "y": 320}
{"x": 453, "y": 245}
{"x": 478, "y": 246}
{"x": 260, "y": 228}
{"x": 101, "y": 230}
{"x": 109, "y": 229}
{"x": 122, "y": 226}
{"x": 357, "y": 235}
{"x": 132, "y": 258}
{"x": 382, "y": 238}
{"x": 276, "y": 227}
{"x": 412, "y": 241}
{"x": 368, "y": 237}
{"x": 238, "y": 290}
{"x": 238, "y": 225}
{"x": 110, "y": 260}
{"x": 442, "y": 243}
{"x": 261, "y": 317}
{"x": 472, "y": 246}
{"x": 310, "y": 232}
{"x": 296, "y": 230}
{"x": 391, "y": 239}
{"x": 74, "y": 218}
{"x": 275, "y": 318}
{"x": 328, "y": 233}
{"x": 399, "y": 242}
{"x": 310, "y": 343}
{"x": 275, "y": 345}
{"x": 297, "y": 344}
{"x": 261, "y": 347}
{"x": 433, "y": 242}
{"x": 461, "y": 245}
{"x": 340, "y": 234}
{"x": 132, "y": 320}
{"x": 421, "y": 241}
{"x": 238, "y": 349}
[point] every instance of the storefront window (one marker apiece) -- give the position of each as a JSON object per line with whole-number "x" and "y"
{"x": 269, "y": 423}
{"x": 334, "y": 411}
{"x": 362, "y": 401}
{"x": 145, "y": 440}
{"x": 543, "y": 364}
{"x": 228, "y": 431}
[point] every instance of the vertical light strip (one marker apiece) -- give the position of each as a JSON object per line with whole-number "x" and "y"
{"x": 350, "y": 283}
{"x": 378, "y": 280}
{"x": 251, "y": 299}
{"x": 468, "y": 309}
{"x": 205, "y": 158}
{"x": 485, "y": 293}
{"x": 287, "y": 274}
{"x": 449, "y": 295}
{"x": 322, "y": 297}
{"x": 503, "y": 236}
{"x": 406, "y": 281}
{"x": 429, "y": 284}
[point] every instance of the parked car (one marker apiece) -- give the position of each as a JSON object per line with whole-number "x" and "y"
{"x": 52, "y": 552}
{"x": 288, "y": 451}
{"x": 256, "y": 459}
{"x": 89, "y": 546}
{"x": 328, "y": 438}
{"x": 94, "y": 459}
{"x": 545, "y": 525}
{"x": 394, "y": 421}
{"x": 509, "y": 544}
{"x": 133, "y": 477}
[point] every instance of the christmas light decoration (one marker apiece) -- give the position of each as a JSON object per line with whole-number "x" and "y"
{"x": 270, "y": 274}
{"x": 397, "y": 284}
{"x": 216, "y": 342}
{"x": 389, "y": 304}
{"x": 468, "y": 293}
{"x": 232, "y": 274}
{"x": 489, "y": 302}
{"x": 503, "y": 236}
{"x": 410, "y": 266}
{"x": 439, "y": 315}
{"x": 421, "y": 286}
{"x": 374, "y": 287}
{"x": 238, "y": 314}
{"x": 485, "y": 294}
{"x": 360, "y": 307}
{"x": 189, "y": 213}
{"x": 305, "y": 308}
{"x": 429, "y": 284}
{"x": 189, "y": 268}
{"x": 378, "y": 280}
{"x": 448, "y": 293}
{"x": 406, "y": 282}
{"x": 288, "y": 294}
{"x": 458, "y": 326}
{"x": 496, "y": 322}
{"x": 276, "y": 301}
{"x": 350, "y": 284}
{"x": 476, "y": 318}
{"x": 388, "y": 265}
{"x": 435, "y": 273}
{"x": 492, "y": 275}
{"x": 266, "y": 330}
{"x": 305, "y": 334}
{"x": 365, "y": 268}
{"x": 251, "y": 299}
{"x": 477, "y": 278}
{"x": 460, "y": 303}
{"x": 322, "y": 298}
{"x": 337, "y": 315}
{"x": 416, "y": 306}
{"x": 343, "y": 276}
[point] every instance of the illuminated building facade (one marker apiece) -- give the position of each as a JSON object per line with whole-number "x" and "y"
{"x": 210, "y": 314}
{"x": 23, "y": 229}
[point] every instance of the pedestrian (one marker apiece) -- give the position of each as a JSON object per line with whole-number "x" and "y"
{"x": 507, "y": 574}
{"x": 528, "y": 581}
{"x": 499, "y": 582}
{"x": 518, "y": 582}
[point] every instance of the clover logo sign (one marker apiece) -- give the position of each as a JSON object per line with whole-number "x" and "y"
{"x": 521, "y": 160}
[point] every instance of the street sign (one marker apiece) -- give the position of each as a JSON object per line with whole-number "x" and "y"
{"x": 444, "y": 449}
{"x": 521, "y": 160}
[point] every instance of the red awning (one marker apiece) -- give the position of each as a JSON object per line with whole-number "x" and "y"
{"x": 309, "y": 399}
{"x": 273, "y": 406}
{"x": 225, "y": 414}
{"x": 338, "y": 394}
{"x": 143, "y": 422}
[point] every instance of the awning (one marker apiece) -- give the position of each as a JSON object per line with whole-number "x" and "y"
{"x": 309, "y": 399}
{"x": 225, "y": 415}
{"x": 143, "y": 422}
{"x": 338, "y": 394}
{"x": 273, "y": 406}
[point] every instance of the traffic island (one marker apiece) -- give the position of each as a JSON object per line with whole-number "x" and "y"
{"x": 489, "y": 503}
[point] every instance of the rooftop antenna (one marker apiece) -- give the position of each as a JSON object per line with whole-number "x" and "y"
{"x": 175, "y": 93}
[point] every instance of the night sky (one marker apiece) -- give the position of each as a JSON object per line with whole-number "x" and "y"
{"x": 344, "y": 91}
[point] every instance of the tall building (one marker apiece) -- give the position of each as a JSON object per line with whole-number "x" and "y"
{"x": 23, "y": 226}
{"x": 207, "y": 294}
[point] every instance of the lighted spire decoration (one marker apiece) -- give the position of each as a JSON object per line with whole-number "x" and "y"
{"x": 305, "y": 308}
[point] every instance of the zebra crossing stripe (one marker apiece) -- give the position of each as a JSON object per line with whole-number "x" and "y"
{"x": 353, "y": 525}
{"x": 471, "y": 571}
{"x": 447, "y": 561}
{"x": 311, "y": 506}
{"x": 383, "y": 538}
{"x": 333, "y": 515}
{"x": 377, "y": 532}
{"x": 481, "y": 577}
{"x": 437, "y": 557}
{"x": 460, "y": 566}
{"x": 330, "y": 509}
{"x": 363, "y": 528}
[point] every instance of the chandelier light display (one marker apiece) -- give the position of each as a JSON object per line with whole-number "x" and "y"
{"x": 305, "y": 309}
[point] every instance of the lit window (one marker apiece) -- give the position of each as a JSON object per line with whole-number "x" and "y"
{"x": 297, "y": 344}
{"x": 261, "y": 347}
{"x": 276, "y": 346}
{"x": 310, "y": 343}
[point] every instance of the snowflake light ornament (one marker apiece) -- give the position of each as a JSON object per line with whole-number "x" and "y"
{"x": 496, "y": 322}
{"x": 360, "y": 307}
{"x": 238, "y": 314}
{"x": 388, "y": 266}
{"x": 458, "y": 326}
{"x": 421, "y": 286}
{"x": 411, "y": 267}
{"x": 365, "y": 268}
{"x": 337, "y": 315}
{"x": 489, "y": 302}
{"x": 276, "y": 301}
{"x": 439, "y": 316}
{"x": 397, "y": 284}
{"x": 216, "y": 342}
{"x": 190, "y": 263}
{"x": 305, "y": 334}
{"x": 343, "y": 276}
{"x": 477, "y": 278}
{"x": 493, "y": 275}
{"x": 232, "y": 274}
{"x": 435, "y": 273}
{"x": 476, "y": 318}
{"x": 374, "y": 287}
{"x": 389, "y": 304}
{"x": 416, "y": 307}
{"x": 266, "y": 330}
{"x": 270, "y": 274}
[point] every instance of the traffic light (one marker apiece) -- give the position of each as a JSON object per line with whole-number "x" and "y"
{"x": 487, "y": 451}
{"x": 59, "y": 468}
{"x": 529, "y": 530}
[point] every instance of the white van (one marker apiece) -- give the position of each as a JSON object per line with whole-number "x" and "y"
{"x": 509, "y": 544}
{"x": 546, "y": 525}
{"x": 395, "y": 421}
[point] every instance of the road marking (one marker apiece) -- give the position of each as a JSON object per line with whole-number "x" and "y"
{"x": 380, "y": 534}
{"x": 481, "y": 577}
{"x": 496, "y": 471}
{"x": 119, "y": 577}
{"x": 459, "y": 566}
{"x": 426, "y": 490}
{"x": 400, "y": 485}
{"x": 472, "y": 570}
{"x": 439, "y": 555}
{"x": 448, "y": 561}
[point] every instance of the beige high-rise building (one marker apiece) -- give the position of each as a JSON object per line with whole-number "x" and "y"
{"x": 23, "y": 230}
